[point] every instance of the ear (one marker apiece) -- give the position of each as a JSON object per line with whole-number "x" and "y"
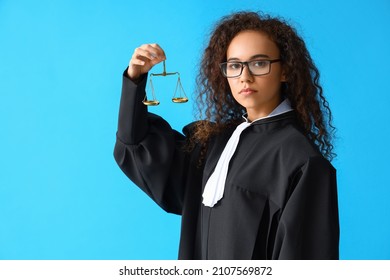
{"x": 283, "y": 78}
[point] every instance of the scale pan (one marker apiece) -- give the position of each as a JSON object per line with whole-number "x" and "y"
{"x": 179, "y": 99}
{"x": 151, "y": 102}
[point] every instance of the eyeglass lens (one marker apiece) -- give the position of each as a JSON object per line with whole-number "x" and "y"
{"x": 256, "y": 67}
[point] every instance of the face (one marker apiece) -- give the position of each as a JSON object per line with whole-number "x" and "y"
{"x": 260, "y": 95}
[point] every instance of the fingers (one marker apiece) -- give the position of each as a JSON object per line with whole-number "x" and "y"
{"x": 148, "y": 53}
{"x": 144, "y": 58}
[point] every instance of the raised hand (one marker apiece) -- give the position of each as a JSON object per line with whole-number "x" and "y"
{"x": 143, "y": 59}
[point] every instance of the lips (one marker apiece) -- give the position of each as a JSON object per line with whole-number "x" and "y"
{"x": 247, "y": 91}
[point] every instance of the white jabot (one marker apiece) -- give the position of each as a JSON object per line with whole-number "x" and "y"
{"x": 215, "y": 185}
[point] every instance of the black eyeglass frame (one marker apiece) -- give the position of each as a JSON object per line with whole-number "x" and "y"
{"x": 245, "y": 63}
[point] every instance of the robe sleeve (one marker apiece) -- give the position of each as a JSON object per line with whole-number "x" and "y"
{"x": 309, "y": 224}
{"x": 149, "y": 151}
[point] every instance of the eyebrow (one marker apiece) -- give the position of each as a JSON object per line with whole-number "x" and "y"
{"x": 251, "y": 58}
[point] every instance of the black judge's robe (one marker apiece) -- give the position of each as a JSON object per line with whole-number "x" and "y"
{"x": 280, "y": 199}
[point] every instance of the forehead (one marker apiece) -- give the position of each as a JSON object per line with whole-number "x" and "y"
{"x": 250, "y": 43}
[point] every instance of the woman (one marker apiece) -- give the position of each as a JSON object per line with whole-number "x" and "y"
{"x": 251, "y": 179}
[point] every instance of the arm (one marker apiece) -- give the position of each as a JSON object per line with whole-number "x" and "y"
{"x": 309, "y": 224}
{"x": 149, "y": 151}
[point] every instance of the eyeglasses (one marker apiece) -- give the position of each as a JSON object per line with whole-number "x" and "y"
{"x": 233, "y": 69}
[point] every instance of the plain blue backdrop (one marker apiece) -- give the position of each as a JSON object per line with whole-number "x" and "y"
{"x": 61, "y": 62}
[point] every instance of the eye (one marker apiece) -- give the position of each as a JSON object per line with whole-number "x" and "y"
{"x": 234, "y": 65}
{"x": 259, "y": 63}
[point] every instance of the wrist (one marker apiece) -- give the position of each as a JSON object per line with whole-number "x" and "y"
{"x": 134, "y": 79}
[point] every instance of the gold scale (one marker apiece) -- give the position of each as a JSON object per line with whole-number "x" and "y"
{"x": 179, "y": 95}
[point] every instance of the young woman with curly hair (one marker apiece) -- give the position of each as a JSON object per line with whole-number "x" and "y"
{"x": 251, "y": 178}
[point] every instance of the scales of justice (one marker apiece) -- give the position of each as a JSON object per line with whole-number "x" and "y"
{"x": 179, "y": 95}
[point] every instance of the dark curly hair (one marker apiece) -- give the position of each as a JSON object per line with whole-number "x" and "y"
{"x": 215, "y": 102}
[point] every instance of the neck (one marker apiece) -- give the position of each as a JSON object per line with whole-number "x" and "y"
{"x": 263, "y": 108}
{"x": 282, "y": 108}
{"x": 254, "y": 114}
{"x": 251, "y": 116}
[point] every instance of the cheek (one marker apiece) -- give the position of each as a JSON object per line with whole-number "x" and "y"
{"x": 271, "y": 82}
{"x": 233, "y": 88}
{"x": 234, "y": 85}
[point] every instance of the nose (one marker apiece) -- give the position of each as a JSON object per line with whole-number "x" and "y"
{"x": 246, "y": 75}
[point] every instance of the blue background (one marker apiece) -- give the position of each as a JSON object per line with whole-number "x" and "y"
{"x": 61, "y": 62}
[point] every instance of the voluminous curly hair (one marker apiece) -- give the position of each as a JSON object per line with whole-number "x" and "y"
{"x": 215, "y": 102}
